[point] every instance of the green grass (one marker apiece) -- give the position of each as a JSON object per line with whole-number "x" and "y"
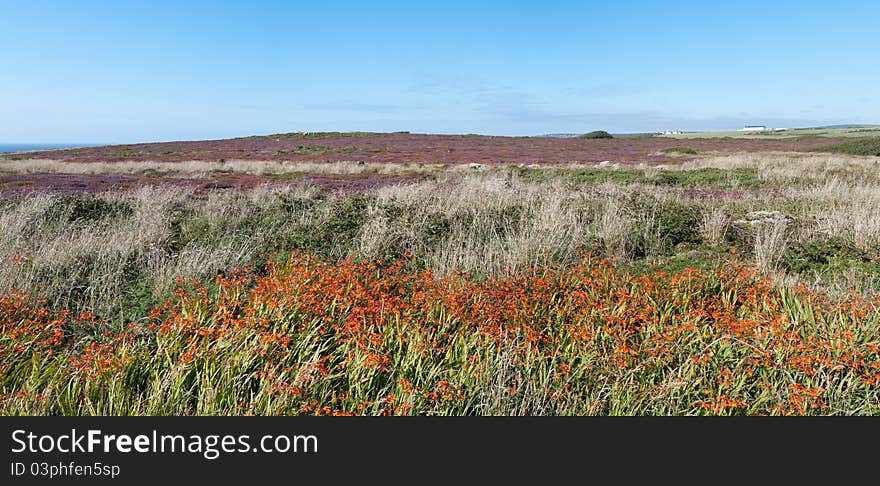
{"x": 681, "y": 149}
{"x": 707, "y": 178}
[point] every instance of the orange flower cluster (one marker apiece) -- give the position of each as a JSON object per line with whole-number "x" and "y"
{"x": 26, "y": 326}
{"x": 376, "y": 337}
{"x": 28, "y": 329}
{"x": 101, "y": 358}
{"x": 638, "y": 323}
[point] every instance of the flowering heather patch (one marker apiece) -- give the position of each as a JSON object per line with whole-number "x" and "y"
{"x": 421, "y": 148}
{"x": 310, "y": 336}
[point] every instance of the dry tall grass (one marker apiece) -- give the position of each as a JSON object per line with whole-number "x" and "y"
{"x": 770, "y": 243}
{"x": 89, "y": 263}
{"x": 835, "y": 196}
{"x": 713, "y": 225}
{"x": 483, "y": 222}
{"x": 787, "y": 167}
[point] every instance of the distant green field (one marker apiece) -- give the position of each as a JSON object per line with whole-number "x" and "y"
{"x": 864, "y": 131}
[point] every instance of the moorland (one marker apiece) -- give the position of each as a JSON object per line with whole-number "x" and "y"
{"x": 398, "y": 273}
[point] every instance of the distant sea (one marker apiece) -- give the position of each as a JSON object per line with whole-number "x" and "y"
{"x": 24, "y": 147}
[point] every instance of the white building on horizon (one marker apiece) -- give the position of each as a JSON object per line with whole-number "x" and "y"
{"x": 755, "y": 128}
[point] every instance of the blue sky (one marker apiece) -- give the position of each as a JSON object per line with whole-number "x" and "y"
{"x": 121, "y": 72}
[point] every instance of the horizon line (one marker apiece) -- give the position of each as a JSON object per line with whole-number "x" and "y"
{"x": 546, "y": 134}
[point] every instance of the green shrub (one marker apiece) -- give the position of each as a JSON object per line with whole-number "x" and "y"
{"x": 331, "y": 237}
{"x": 858, "y": 146}
{"x": 677, "y": 223}
{"x": 436, "y": 229}
{"x": 818, "y": 255}
{"x": 596, "y": 134}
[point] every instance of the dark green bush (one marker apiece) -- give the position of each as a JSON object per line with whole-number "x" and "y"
{"x": 677, "y": 223}
{"x": 596, "y": 134}
{"x": 817, "y": 255}
{"x": 671, "y": 224}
